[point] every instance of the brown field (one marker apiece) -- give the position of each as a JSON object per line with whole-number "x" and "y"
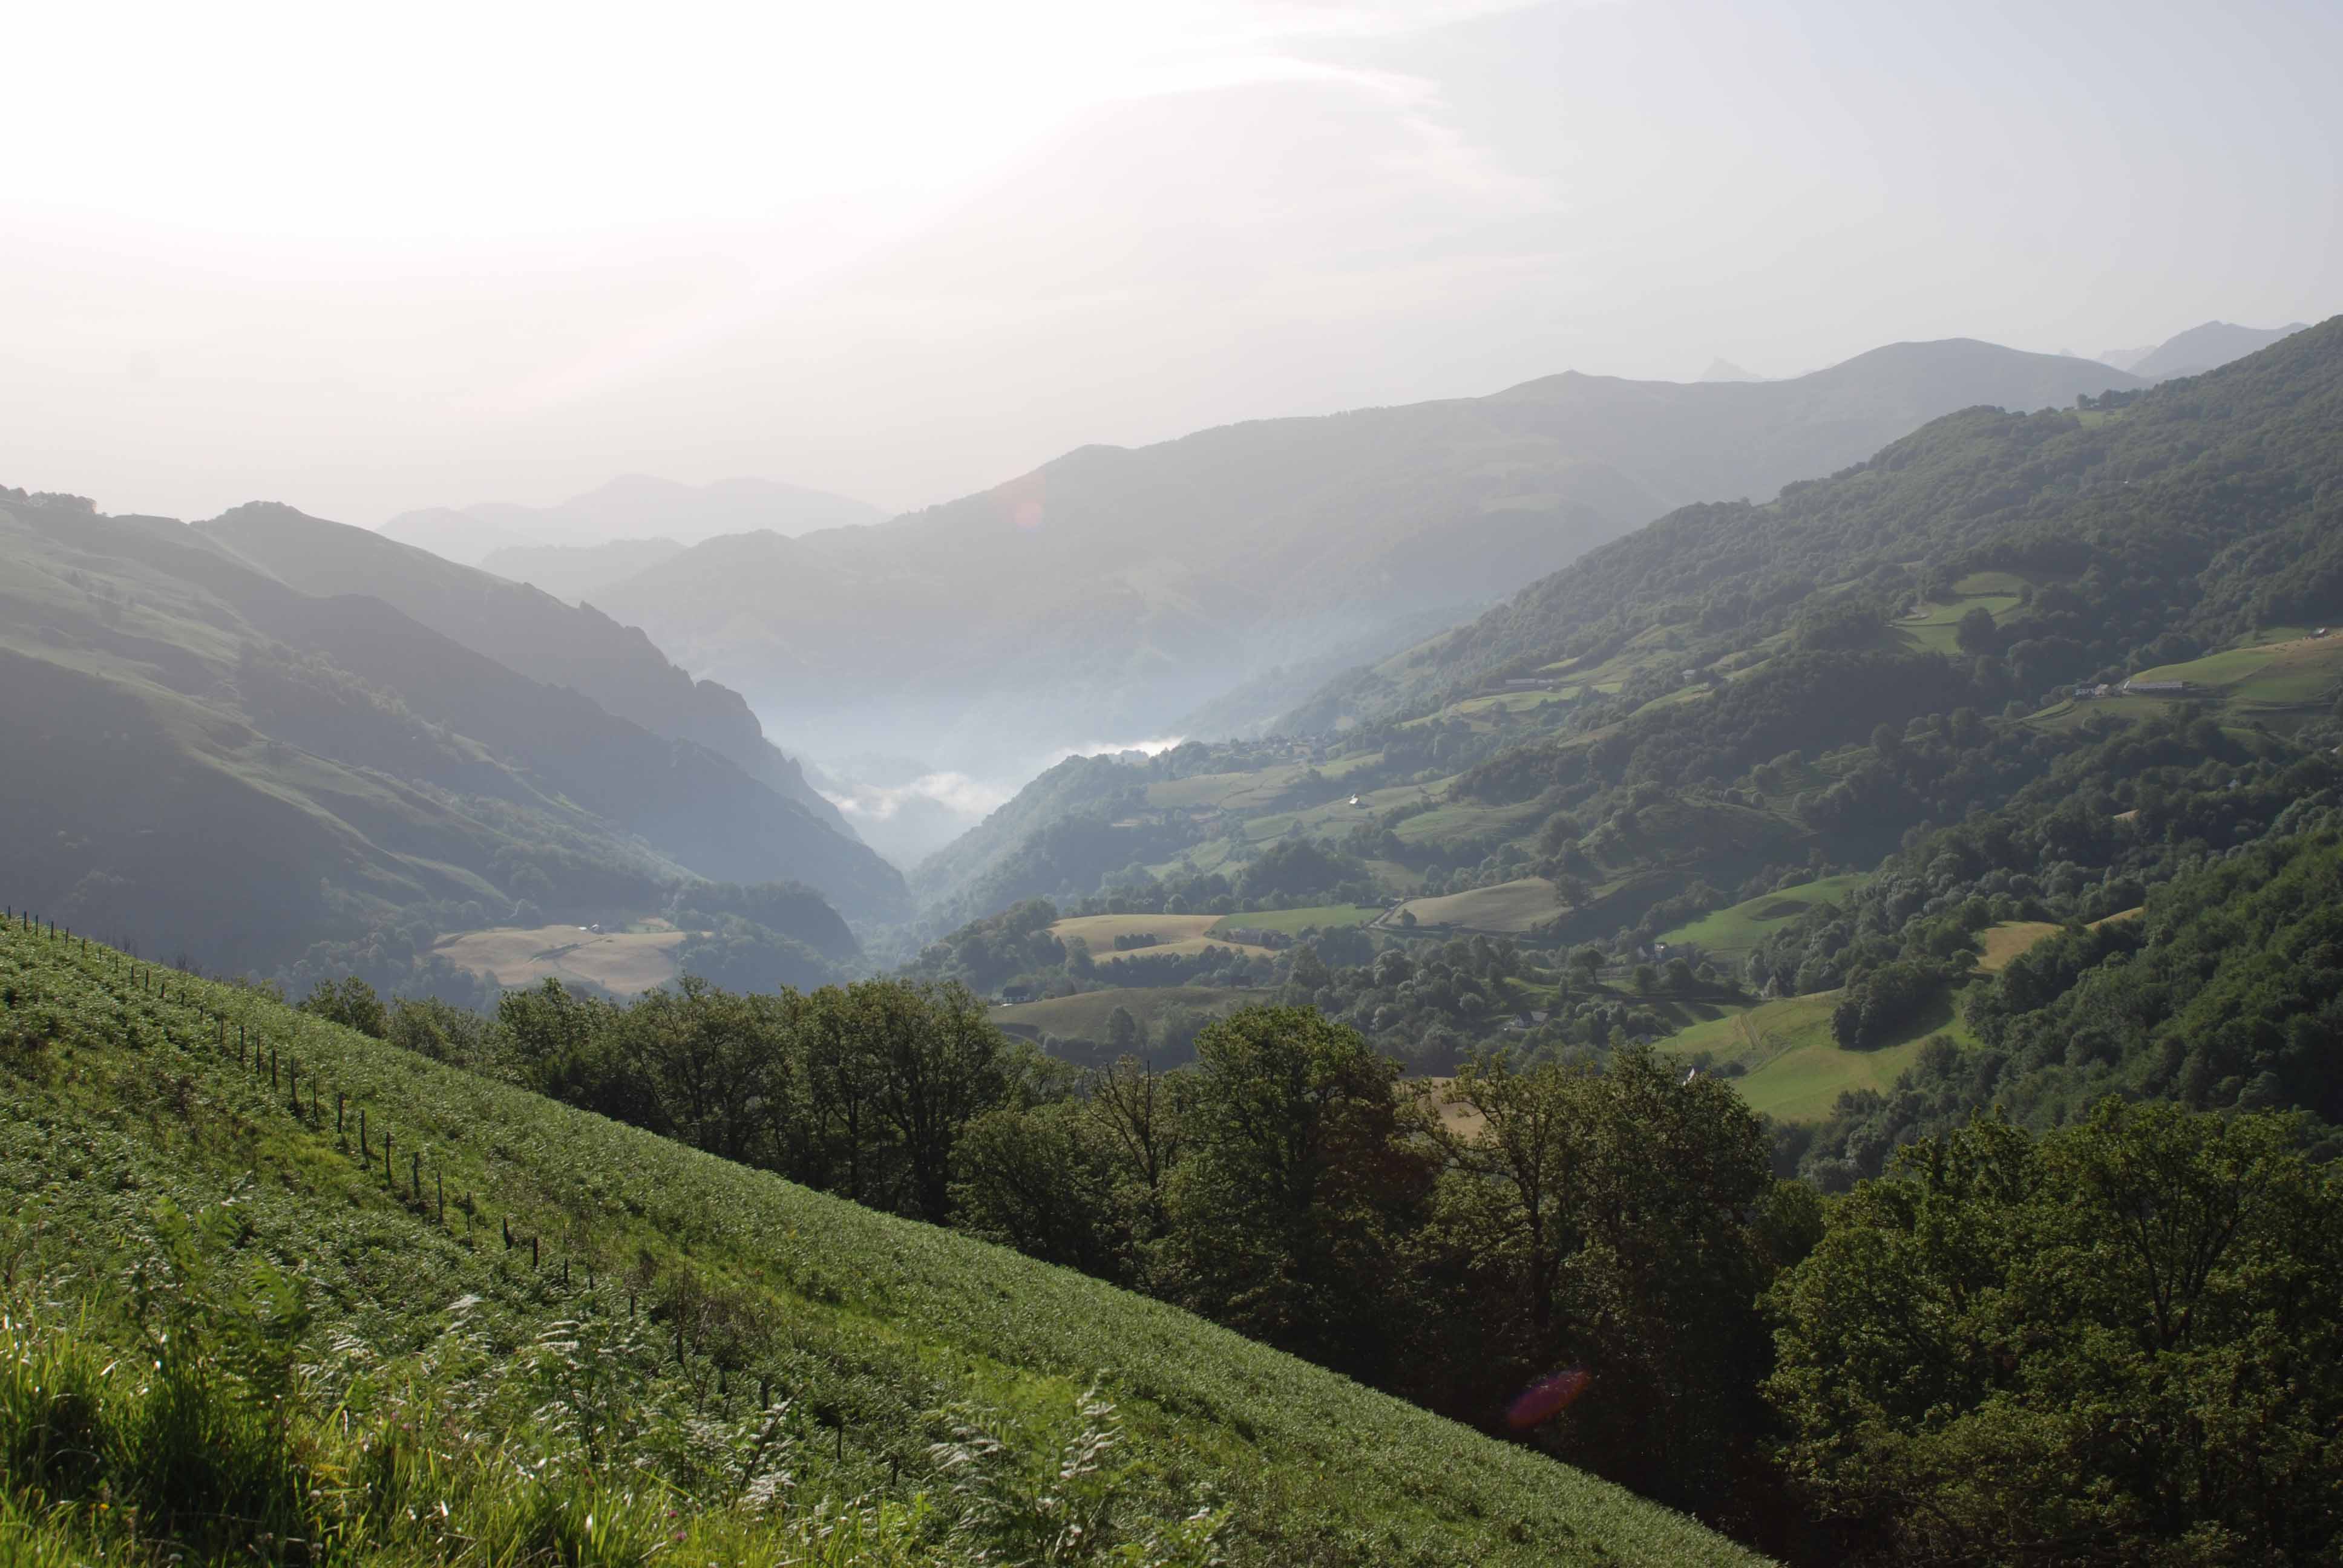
{"x": 2008, "y": 940}
{"x": 1461, "y": 1120}
{"x": 2131, "y": 914}
{"x": 620, "y": 962}
{"x": 1100, "y": 931}
{"x": 1181, "y": 934}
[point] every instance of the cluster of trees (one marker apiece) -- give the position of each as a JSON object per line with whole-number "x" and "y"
{"x": 2118, "y": 1344}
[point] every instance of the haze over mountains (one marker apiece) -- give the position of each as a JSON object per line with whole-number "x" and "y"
{"x": 2196, "y": 350}
{"x": 632, "y": 506}
{"x": 1102, "y": 598}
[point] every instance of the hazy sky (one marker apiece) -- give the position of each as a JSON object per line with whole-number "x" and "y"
{"x": 368, "y": 258}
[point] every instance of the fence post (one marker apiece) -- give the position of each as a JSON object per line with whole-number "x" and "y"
{"x": 363, "y": 1147}
{"x": 338, "y": 1103}
{"x": 389, "y": 1173}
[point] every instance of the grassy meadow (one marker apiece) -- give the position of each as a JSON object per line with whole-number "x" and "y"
{"x": 493, "y": 1329}
{"x": 1732, "y": 934}
{"x": 1793, "y": 1068}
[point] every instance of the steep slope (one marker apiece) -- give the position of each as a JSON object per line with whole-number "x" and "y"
{"x": 1103, "y": 595}
{"x": 738, "y": 1329}
{"x": 196, "y": 737}
{"x": 1977, "y": 490}
{"x": 522, "y": 628}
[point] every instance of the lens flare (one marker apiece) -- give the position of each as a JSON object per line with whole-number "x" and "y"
{"x": 1548, "y": 1398}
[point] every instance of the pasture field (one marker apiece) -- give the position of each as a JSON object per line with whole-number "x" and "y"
{"x": 1084, "y": 1016}
{"x": 1293, "y": 922}
{"x": 2269, "y": 677}
{"x": 1794, "y": 1070}
{"x": 1733, "y": 933}
{"x": 126, "y": 1098}
{"x": 1935, "y": 627}
{"x": 1450, "y": 821}
{"x": 621, "y": 962}
{"x": 1509, "y": 906}
{"x": 2010, "y": 940}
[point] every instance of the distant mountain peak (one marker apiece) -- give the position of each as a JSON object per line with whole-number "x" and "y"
{"x": 1726, "y": 370}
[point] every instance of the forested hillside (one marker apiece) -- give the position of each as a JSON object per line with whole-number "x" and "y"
{"x": 1904, "y": 684}
{"x": 528, "y": 631}
{"x": 205, "y": 761}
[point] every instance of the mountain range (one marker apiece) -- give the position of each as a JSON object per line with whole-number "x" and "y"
{"x": 631, "y": 507}
{"x": 1104, "y": 596}
{"x": 1680, "y": 702}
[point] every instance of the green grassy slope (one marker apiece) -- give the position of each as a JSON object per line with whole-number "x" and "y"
{"x": 115, "y": 1097}
{"x": 1731, "y": 932}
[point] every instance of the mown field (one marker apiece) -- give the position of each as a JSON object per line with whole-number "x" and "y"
{"x": 620, "y": 962}
{"x": 681, "y": 1359}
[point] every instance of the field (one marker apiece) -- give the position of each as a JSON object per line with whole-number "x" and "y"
{"x": 2270, "y": 677}
{"x": 1509, "y": 907}
{"x": 1935, "y": 627}
{"x": 1795, "y": 1069}
{"x": 1100, "y": 930}
{"x": 2010, "y": 940}
{"x": 1084, "y": 1016}
{"x": 1732, "y": 934}
{"x": 620, "y": 962}
{"x": 1293, "y": 922}
{"x": 447, "y": 1366}
{"x": 1183, "y": 936}
{"x": 1185, "y": 948}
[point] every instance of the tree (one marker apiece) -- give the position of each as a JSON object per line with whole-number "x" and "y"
{"x": 350, "y": 1003}
{"x": 1121, "y": 1031}
{"x": 2120, "y": 1344}
{"x": 1298, "y": 1183}
{"x": 1976, "y": 632}
{"x": 939, "y": 1064}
